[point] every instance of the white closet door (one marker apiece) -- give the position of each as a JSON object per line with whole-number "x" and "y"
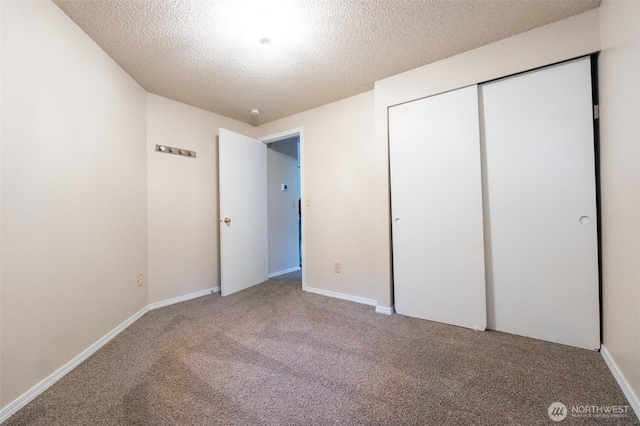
{"x": 541, "y": 234}
{"x": 436, "y": 195}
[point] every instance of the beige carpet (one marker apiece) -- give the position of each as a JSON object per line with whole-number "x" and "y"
{"x": 274, "y": 355}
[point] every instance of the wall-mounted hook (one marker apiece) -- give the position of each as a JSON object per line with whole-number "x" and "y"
{"x": 176, "y": 151}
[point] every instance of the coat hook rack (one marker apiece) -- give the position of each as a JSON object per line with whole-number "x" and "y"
{"x": 175, "y": 151}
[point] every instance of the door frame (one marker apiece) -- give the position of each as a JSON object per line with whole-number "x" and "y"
{"x": 288, "y": 134}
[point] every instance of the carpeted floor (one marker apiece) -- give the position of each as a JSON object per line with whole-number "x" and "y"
{"x": 274, "y": 355}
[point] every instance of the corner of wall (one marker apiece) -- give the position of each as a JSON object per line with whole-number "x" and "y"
{"x": 619, "y": 85}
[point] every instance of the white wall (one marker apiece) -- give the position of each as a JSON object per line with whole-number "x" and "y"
{"x": 183, "y": 198}
{"x": 619, "y": 78}
{"x": 73, "y": 194}
{"x": 282, "y": 167}
{"x": 551, "y": 43}
{"x": 338, "y": 171}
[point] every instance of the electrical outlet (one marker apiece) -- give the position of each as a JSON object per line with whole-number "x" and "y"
{"x": 308, "y": 201}
{"x": 140, "y": 280}
{"x": 336, "y": 267}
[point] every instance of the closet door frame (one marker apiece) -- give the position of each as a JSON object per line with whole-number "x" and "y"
{"x": 595, "y": 337}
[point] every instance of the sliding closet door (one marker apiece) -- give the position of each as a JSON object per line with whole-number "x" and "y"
{"x": 540, "y": 209}
{"x": 438, "y": 262}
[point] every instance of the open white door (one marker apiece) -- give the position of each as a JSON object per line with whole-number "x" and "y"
{"x": 242, "y": 165}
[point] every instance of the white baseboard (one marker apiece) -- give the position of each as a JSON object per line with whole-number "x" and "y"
{"x": 342, "y": 296}
{"x": 634, "y": 401}
{"x": 186, "y": 297}
{"x": 286, "y": 271}
{"x": 384, "y": 310}
{"x": 45, "y": 384}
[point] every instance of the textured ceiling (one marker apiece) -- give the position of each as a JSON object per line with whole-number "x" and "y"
{"x": 207, "y": 53}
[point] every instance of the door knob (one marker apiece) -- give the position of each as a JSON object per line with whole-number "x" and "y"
{"x": 227, "y": 220}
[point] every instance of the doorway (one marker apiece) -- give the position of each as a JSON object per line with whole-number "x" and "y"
{"x": 284, "y": 206}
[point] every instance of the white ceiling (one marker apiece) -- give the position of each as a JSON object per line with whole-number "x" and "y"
{"x": 207, "y": 53}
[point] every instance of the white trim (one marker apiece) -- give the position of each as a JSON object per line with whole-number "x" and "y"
{"x": 45, "y": 384}
{"x": 286, "y": 271}
{"x": 184, "y": 298}
{"x": 634, "y": 401}
{"x": 384, "y": 310}
{"x": 342, "y": 296}
{"x": 287, "y": 134}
